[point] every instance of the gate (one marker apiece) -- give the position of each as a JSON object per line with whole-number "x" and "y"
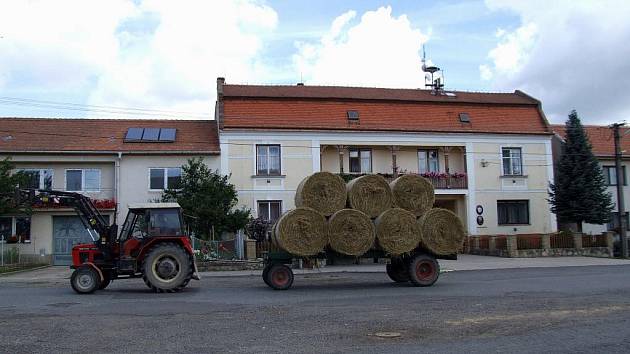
{"x": 67, "y": 232}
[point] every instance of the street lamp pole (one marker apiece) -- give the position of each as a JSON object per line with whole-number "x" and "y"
{"x": 620, "y": 202}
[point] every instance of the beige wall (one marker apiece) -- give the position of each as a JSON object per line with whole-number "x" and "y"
{"x": 134, "y": 177}
{"x": 477, "y": 155}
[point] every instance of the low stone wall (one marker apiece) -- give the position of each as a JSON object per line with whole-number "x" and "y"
{"x": 222, "y": 265}
{"x": 541, "y": 246}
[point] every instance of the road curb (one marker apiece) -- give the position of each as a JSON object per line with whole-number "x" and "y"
{"x": 24, "y": 270}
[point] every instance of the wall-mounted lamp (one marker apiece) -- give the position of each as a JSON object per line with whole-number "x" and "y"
{"x": 484, "y": 163}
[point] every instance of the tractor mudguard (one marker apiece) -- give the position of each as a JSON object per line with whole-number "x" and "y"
{"x": 90, "y": 264}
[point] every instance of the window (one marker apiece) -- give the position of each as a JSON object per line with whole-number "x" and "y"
{"x": 360, "y": 161}
{"x": 613, "y": 225}
{"x": 428, "y": 161}
{"x": 83, "y": 180}
{"x": 512, "y": 161}
{"x": 15, "y": 229}
{"x": 269, "y": 209}
{"x": 610, "y": 175}
{"x": 38, "y": 178}
{"x": 268, "y": 160}
{"x": 165, "y": 178}
{"x": 513, "y": 212}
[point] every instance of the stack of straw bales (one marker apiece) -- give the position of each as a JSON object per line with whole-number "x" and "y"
{"x": 367, "y": 213}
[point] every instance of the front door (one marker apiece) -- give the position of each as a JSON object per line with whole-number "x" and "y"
{"x": 67, "y": 232}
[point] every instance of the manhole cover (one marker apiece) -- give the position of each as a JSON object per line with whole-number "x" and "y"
{"x": 387, "y": 334}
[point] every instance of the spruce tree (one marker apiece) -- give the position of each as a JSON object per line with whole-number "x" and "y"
{"x": 580, "y": 193}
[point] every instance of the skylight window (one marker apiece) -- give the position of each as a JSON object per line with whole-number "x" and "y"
{"x": 150, "y": 135}
{"x": 353, "y": 115}
{"x": 464, "y": 118}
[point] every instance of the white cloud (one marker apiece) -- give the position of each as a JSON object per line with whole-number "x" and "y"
{"x": 152, "y": 53}
{"x": 569, "y": 54}
{"x": 379, "y": 50}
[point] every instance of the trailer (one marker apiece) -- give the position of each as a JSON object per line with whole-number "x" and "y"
{"x": 418, "y": 267}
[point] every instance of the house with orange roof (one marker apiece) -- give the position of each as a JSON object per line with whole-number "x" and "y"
{"x": 488, "y": 155}
{"x": 114, "y": 161}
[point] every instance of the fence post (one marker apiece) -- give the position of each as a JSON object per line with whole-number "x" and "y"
{"x": 512, "y": 245}
{"x": 492, "y": 244}
{"x": 545, "y": 241}
{"x": 610, "y": 242}
{"x": 475, "y": 243}
{"x": 577, "y": 240}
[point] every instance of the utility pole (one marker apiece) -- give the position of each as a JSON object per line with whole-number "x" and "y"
{"x": 620, "y": 202}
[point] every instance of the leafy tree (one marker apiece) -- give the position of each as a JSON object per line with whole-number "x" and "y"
{"x": 579, "y": 194}
{"x": 9, "y": 180}
{"x": 208, "y": 199}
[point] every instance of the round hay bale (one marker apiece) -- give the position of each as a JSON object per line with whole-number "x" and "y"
{"x": 370, "y": 194}
{"x": 322, "y": 191}
{"x": 301, "y": 231}
{"x": 413, "y": 193}
{"x": 442, "y": 231}
{"x": 397, "y": 231}
{"x": 351, "y": 232}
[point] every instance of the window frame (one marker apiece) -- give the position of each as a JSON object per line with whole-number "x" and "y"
{"x": 610, "y": 226}
{"x": 514, "y": 202}
{"x": 426, "y": 155}
{"x": 359, "y": 151}
{"x": 83, "y": 172}
{"x": 41, "y": 175}
{"x": 268, "y": 173}
{"x": 608, "y": 169}
{"x": 503, "y": 159}
{"x": 14, "y": 228}
{"x": 165, "y": 178}
{"x": 269, "y": 202}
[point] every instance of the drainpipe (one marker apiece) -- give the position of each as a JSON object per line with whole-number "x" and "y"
{"x": 117, "y": 184}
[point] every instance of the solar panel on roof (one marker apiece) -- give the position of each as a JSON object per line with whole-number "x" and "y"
{"x": 167, "y": 134}
{"x": 151, "y": 134}
{"x": 134, "y": 134}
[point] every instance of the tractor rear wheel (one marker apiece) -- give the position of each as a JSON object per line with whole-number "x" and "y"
{"x": 167, "y": 267}
{"x": 424, "y": 270}
{"x": 279, "y": 277}
{"x": 85, "y": 280}
{"x": 397, "y": 271}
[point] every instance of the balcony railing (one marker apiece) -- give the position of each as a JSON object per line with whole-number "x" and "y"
{"x": 439, "y": 180}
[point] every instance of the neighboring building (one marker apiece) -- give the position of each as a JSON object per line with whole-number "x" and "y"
{"x": 487, "y": 154}
{"x": 601, "y": 138}
{"x": 115, "y": 161}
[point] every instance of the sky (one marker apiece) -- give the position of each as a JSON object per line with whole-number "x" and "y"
{"x": 161, "y": 58}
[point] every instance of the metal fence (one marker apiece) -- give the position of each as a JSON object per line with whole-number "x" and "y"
{"x": 561, "y": 240}
{"x": 215, "y": 250}
{"x": 594, "y": 241}
{"x": 529, "y": 242}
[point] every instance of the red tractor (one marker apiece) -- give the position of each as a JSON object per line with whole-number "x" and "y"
{"x": 152, "y": 244}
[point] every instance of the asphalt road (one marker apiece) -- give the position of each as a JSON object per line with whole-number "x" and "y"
{"x": 563, "y": 310}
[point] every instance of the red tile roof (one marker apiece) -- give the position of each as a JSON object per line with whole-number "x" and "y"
{"x": 103, "y": 135}
{"x": 601, "y": 138}
{"x": 325, "y": 108}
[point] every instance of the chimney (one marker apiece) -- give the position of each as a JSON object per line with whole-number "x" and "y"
{"x": 300, "y": 84}
{"x": 218, "y": 108}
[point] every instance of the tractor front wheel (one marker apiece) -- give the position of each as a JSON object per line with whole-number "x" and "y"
{"x": 167, "y": 267}
{"x": 85, "y": 280}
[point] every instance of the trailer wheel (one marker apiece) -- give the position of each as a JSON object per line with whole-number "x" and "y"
{"x": 265, "y": 273}
{"x": 397, "y": 271}
{"x": 424, "y": 270}
{"x": 85, "y": 280}
{"x": 279, "y": 277}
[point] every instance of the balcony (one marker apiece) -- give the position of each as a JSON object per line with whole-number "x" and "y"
{"x": 438, "y": 180}
{"x": 448, "y": 163}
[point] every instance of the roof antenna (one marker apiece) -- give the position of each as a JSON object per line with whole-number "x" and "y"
{"x": 431, "y": 79}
